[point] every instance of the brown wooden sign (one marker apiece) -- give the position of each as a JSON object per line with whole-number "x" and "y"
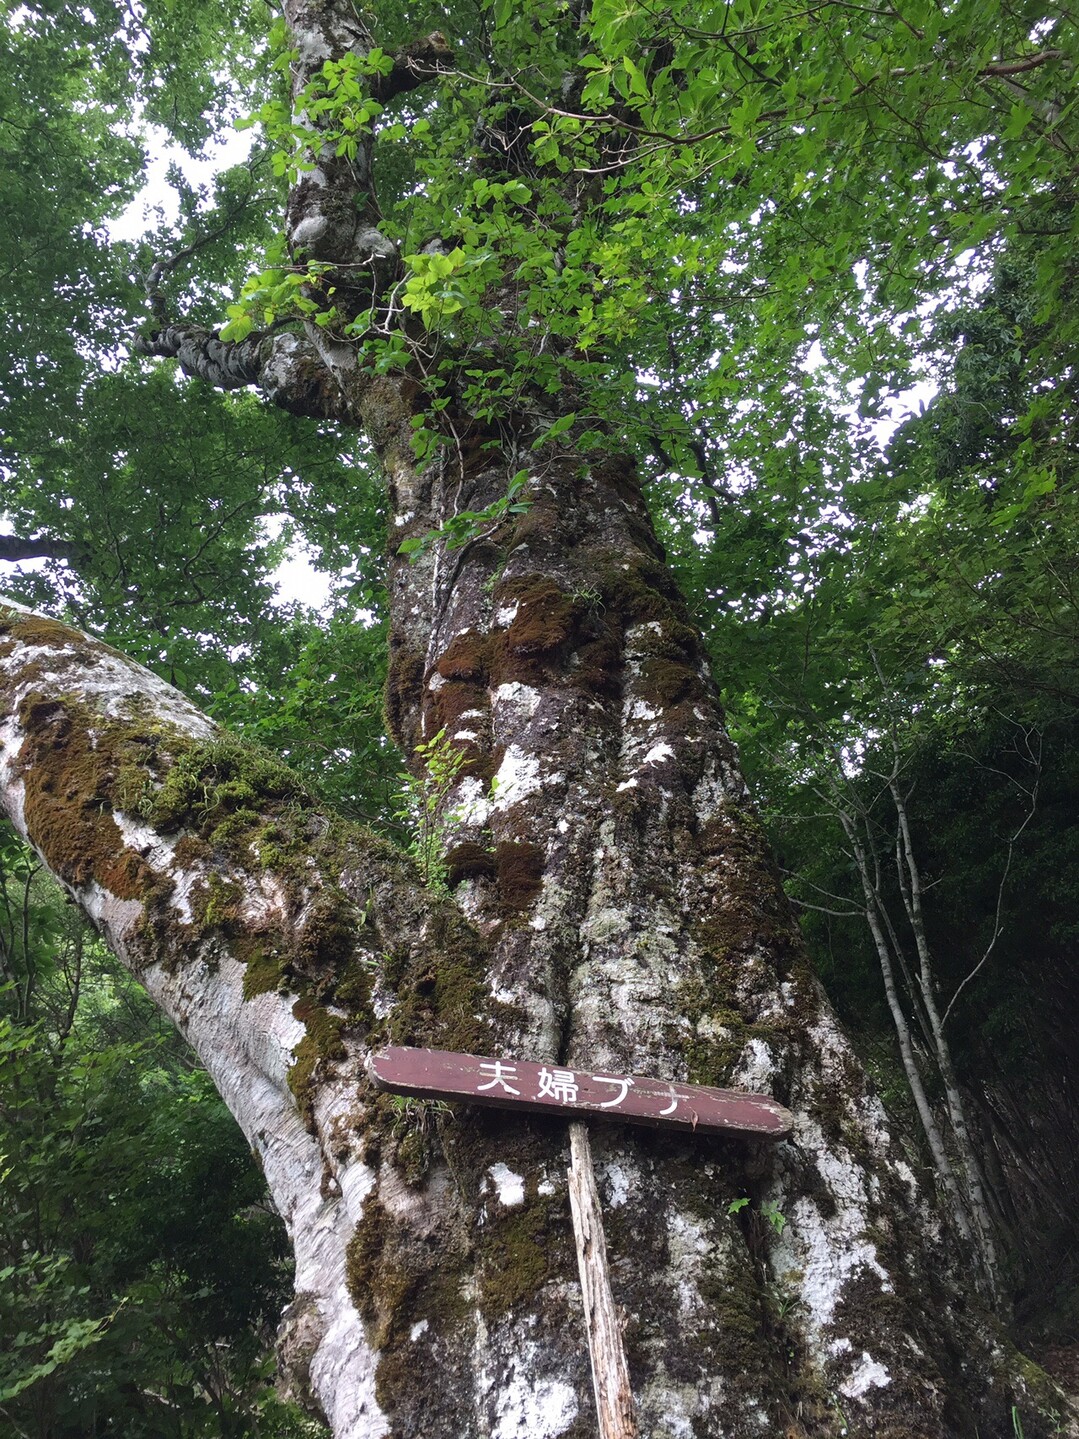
{"x": 550, "y": 1089}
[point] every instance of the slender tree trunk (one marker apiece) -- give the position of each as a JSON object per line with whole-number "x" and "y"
{"x": 942, "y": 1164}
{"x": 910, "y": 885}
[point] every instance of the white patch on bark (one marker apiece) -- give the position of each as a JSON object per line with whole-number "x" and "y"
{"x": 658, "y": 753}
{"x": 158, "y": 851}
{"x": 247, "y": 1048}
{"x": 357, "y": 1182}
{"x": 636, "y": 633}
{"x": 824, "y": 1255}
{"x": 867, "y": 1374}
{"x": 641, "y": 710}
{"x": 518, "y": 777}
{"x": 756, "y": 1068}
{"x": 618, "y": 1185}
{"x": 530, "y": 1405}
{"x": 605, "y": 923}
{"x": 523, "y": 698}
{"x": 471, "y": 804}
{"x": 687, "y": 1247}
{"x": 417, "y": 1329}
{"x": 505, "y": 616}
{"x": 310, "y": 229}
{"x": 108, "y": 685}
{"x": 11, "y": 741}
{"x": 626, "y": 784}
{"x": 509, "y": 1187}
{"x": 716, "y": 790}
{"x": 311, "y": 46}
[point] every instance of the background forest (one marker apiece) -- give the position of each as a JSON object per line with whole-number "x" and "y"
{"x": 857, "y": 417}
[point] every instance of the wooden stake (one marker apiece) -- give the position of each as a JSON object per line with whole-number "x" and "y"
{"x": 610, "y": 1373}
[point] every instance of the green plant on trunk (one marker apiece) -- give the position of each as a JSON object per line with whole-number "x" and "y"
{"x": 422, "y": 806}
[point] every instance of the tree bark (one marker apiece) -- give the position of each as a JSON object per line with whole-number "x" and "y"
{"x": 640, "y": 925}
{"x": 613, "y": 907}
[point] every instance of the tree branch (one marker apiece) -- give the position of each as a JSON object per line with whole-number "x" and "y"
{"x": 284, "y": 366}
{"x": 414, "y": 64}
{"x": 14, "y": 548}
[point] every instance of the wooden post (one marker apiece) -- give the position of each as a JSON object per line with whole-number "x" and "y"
{"x": 610, "y": 1373}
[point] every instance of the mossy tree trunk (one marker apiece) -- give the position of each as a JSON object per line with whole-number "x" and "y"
{"x": 613, "y": 906}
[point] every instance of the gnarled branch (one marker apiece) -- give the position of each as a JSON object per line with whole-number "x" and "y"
{"x": 284, "y": 366}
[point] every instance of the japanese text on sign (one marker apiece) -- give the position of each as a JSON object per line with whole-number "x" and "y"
{"x": 546, "y": 1088}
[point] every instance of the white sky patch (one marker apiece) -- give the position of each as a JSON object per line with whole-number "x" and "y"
{"x": 157, "y": 199}
{"x": 296, "y": 579}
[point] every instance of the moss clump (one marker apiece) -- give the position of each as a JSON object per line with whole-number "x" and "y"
{"x": 444, "y": 707}
{"x": 263, "y": 970}
{"x": 327, "y": 939}
{"x": 519, "y": 866}
{"x": 469, "y": 861}
{"x": 352, "y": 990}
{"x": 322, "y": 1042}
{"x": 215, "y": 902}
{"x": 219, "y": 788}
{"x": 441, "y": 994}
{"x": 35, "y": 632}
{"x": 642, "y": 591}
{"x": 377, "y": 1283}
{"x": 396, "y": 1280}
{"x": 598, "y": 664}
{"x": 404, "y": 685}
{"x": 669, "y": 682}
{"x": 546, "y": 618}
{"x": 69, "y": 773}
{"x": 753, "y": 910}
{"x": 465, "y": 658}
{"x": 516, "y": 1252}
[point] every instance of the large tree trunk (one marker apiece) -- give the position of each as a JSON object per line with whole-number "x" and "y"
{"x": 613, "y": 906}
{"x": 620, "y": 913}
